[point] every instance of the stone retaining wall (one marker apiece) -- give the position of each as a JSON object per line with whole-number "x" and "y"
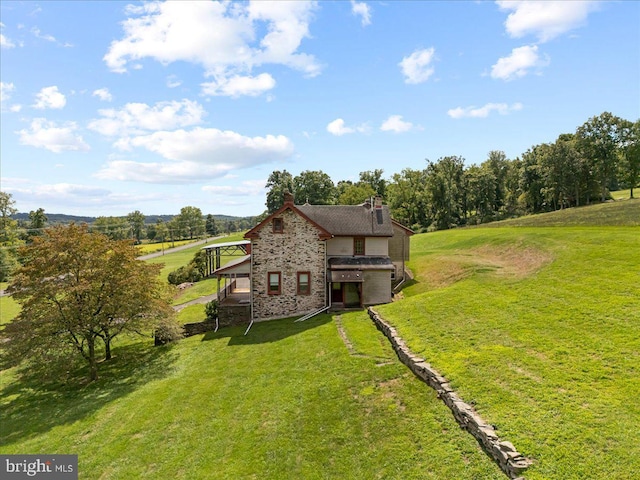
{"x": 504, "y": 453}
{"x": 191, "y": 329}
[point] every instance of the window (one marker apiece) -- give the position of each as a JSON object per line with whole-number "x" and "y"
{"x": 358, "y": 246}
{"x": 278, "y": 225}
{"x": 304, "y": 285}
{"x": 275, "y": 283}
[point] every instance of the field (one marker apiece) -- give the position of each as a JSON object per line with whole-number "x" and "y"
{"x": 290, "y": 400}
{"x": 174, "y": 260}
{"x": 540, "y": 329}
{"x": 538, "y": 326}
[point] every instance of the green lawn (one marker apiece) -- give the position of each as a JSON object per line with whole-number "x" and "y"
{"x": 9, "y": 309}
{"x": 620, "y": 212}
{"x": 158, "y": 247}
{"x": 540, "y": 329}
{"x": 290, "y": 400}
{"x": 174, "y": 260}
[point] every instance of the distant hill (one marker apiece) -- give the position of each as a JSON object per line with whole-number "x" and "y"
{"x": 55, "y": 218}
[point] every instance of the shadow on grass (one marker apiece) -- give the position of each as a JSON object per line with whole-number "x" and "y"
{"x": 31, "y": 407}
{"x": 266, "y": 332}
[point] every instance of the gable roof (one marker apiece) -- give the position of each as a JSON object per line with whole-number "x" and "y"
{"x": 351, "y": 220}
{"x": 254, "y": 232}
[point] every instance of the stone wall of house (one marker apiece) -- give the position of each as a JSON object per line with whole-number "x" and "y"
{"x": 297, "y": 249}
{"x": 503, "y": 453}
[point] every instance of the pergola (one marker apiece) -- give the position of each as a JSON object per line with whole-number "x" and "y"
{"x": 216, "y": 250}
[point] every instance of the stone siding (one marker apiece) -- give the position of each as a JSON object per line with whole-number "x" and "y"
{"x": 297, "y": 249}
{"x": 503, "y": 453}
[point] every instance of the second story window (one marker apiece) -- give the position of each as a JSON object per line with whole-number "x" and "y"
{"x": 278, "y": 225}
{"x": 358, "y": 246}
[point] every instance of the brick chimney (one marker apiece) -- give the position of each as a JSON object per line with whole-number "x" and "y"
{"x": 288, "y": 198}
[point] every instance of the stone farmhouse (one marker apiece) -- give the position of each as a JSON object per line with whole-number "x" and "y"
{"x": 304, "y": 259}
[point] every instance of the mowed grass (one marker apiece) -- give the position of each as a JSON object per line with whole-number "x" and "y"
{"x": 177, "y": 259}
{"x": 304, "y": 400}
{"x": 146, "y": 248}
{"x": 618, "y": 213}
{"x": 540, "y": 329}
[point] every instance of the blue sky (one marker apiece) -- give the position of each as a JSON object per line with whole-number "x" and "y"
{"x": 110, "y": 107}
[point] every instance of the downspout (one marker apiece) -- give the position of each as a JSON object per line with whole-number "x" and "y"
{"x": 327, "y": 297}
{"x": 251, "y": 283}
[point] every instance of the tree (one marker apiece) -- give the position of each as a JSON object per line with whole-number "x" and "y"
{"x": 629, "y": 158}
{"x": 599, "y": 140}
{"x": 210, "y": 225}
{"x": 136, "y": 224}
{"x": 37, "y": 219}
{"x": 314, "y": 187}
{"x": 355, "y": 194}
{"x": 407, "y": 199}
{"x": 8, "y": 226}
{"x": 278, "y": 183}
{"x": 190, "y": 219}
{"x": 375, "y": 180}
{"x": 116, "y": 228}
{"x": 79, "y": 290}
{"x": 445, "y": 189}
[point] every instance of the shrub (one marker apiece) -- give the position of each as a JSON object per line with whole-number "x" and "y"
{"x": 187, "y": 273}
{"x": 211, "y": 310}
{"x": 167, "y": 331}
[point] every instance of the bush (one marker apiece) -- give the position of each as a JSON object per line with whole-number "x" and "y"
{"x": 211, "y": 310}
{"x": 188, "y": 273}
{"x": 167, "y": 331}
{"x": 195, "y": 271}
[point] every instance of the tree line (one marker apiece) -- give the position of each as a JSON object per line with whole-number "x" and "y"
{"x": 578, "y": 168}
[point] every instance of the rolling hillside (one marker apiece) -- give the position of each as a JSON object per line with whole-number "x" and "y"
{"x": 539, "y": 328}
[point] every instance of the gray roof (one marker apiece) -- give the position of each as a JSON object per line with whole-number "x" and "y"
{"x": 351, "y": 220}
{"x": 361, "y": 263}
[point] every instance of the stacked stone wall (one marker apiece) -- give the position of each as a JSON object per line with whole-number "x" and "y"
{"x": 297, "y": 249}
{"x": 503, "y": 453}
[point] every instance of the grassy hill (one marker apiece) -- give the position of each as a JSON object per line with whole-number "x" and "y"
{"x": 538, "y": 327}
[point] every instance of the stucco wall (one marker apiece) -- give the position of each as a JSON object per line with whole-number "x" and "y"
{"x": 377, "y": 287}
{"x": 297, "y": 249}
{"x": 343, "y": 246}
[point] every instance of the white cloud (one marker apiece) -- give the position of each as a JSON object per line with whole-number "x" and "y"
{"x": 227, "y": 39}
{"x": 362, "y": 10}
{"x": 519, "y": 63}
{"x": 5, "y": 91}
{"x": 173, "y": 81}
{"x": 484, "y": 111}
{"x": 46, "y": 134}
{"x": 139, "y": 118}
{"x": 5, "y": 42}
{"x": 546, "y": 19}
{"x": 395, "y": 124}
{"x": 196, "y": 155}
{"x": 338, "y": 128}
{"x": 38, "y": 34}
{"x": 103, "y": 94}
{"x": 417, "y": 67}
{"x": 237, "y": 86}
{"x": 247, "y": 187}
{"x": 50, "y": 97}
